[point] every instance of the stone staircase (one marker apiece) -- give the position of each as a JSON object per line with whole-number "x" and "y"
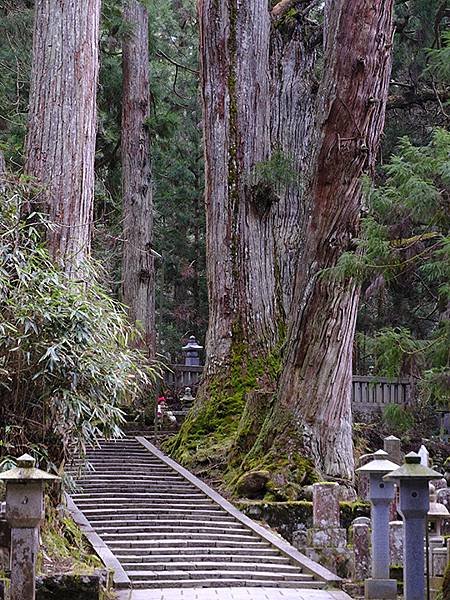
{"x": 164, "y": 528}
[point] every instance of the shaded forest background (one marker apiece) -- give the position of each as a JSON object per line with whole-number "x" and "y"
{"x": 417, "y": 104}
{"x": 402, "y": 256}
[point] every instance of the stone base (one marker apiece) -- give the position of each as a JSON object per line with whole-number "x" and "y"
{"x": 337, "y": 560}
{"x": 380, "y": 589}
{"x": 331, "y": 537}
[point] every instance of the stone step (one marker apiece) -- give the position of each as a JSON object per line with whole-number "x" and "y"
{"x": 218, "y": 574}
{"x": 192, "y": 497}
{"x": 203, "y": 554}
{"x": 224, "y": 583}
{"x": 146, "y": 515}
{"x": 153, "y": 506}
{"x": 152, "y": 503}
{"x": 175, "y": 544}
{"x": 213, "y": 565}
{"x": 138, "y": 480}
{"x": 105, "y": 527}
{"x": 108, "y": 472}
{"x": 119, "y": 487}
{"x": 122, "y": 540}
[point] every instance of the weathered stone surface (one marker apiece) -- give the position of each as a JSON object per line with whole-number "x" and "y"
{"x": 23, "y": 561}
{"x": 347, "y": 494}
{"x": 5, "y": 534}
{"x": 380, "y": 589}
{"x": 439, "y": 484}
{"x": 396, "y": 542}
{"x": 288, "y": 517}
{"x": 299, "y": 537}
{"x": 253, "y": 484}
{"x": 443, "y": 496}
{"x": 70, "y": 587}
{"x": 330, "y": 537}
{"x": 337, "y": 560}
{"x": 362, "y": 479}
{"x": 438, "y": 562}
{"x": 326, "y": 505}
{"x": 392, "y": 445}
{"x": 361, "y": 550}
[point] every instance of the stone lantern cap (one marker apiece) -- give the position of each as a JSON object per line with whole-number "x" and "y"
{"x": 437, "y": 510}
{"x": 380, "y": 464}
{"x": 25, "y": 471}
{"x": 412, "y": 469}
{"x": 192, "y": 344}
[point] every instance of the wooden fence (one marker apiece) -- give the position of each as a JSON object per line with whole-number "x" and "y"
{"x": 368, "y": 393}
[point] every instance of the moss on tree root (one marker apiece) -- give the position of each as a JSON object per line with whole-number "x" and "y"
{"x": 226, "y": 432}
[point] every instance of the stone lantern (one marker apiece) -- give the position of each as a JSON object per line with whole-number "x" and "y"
{"x": 187, "y": 399}
{"x": 24, "y": 513}
{"x": 381, "y": 494}
{"x": 437, "y": 513}
{"x": 191, "y": 351}
{"x": 413, "y": 479}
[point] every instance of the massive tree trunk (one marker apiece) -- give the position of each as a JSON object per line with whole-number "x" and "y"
{"x": 60, "y": 144}
{"x": 254, "y": 80}
{"x": 314, "y": 396}
{"x": 138, "y": 273}
{"x": 268, "y": 242}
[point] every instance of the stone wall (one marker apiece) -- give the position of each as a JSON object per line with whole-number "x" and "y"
{"x": 290, "y": 519}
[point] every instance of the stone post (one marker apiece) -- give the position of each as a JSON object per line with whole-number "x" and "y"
{"x": 396, "y": 542}
{"x": 414, "y": 504}
{"x": 361, "y": 548}
{"x": 191, "y": 352}
{"x": 392, "y": 445}
{"x": 381, "y": 494}
{"x": 24, "y": 513}
{"x": 326, "y": 541}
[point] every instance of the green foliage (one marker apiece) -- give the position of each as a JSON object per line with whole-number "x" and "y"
{"x": 66, "y": 370}
{"x": 439, "y": 59}
{"x": 278, "y": 171}
{"x": 397, "y": 419}
{"x": 404, "y": 245}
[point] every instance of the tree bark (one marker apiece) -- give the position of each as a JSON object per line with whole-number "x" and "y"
{"x": 138, "y": 271}
{"x": 234, "y": 47}
{"x": 60, "y": 145}
{"x": 314, "y": 395}
{"x": 257, "y": 99}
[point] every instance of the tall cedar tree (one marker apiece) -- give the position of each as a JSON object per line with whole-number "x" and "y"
{"x": 138, "y": 273}
{"x": 260, "y": 98}
{"x": 60, "y": 144}
{"x": 314, "y": 395}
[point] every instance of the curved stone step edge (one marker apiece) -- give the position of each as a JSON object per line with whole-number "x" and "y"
{"x": 121, "y": 579}
{"x": 285, "y": 548}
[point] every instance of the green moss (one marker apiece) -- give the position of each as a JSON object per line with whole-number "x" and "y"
{"x": 209, "y": 432}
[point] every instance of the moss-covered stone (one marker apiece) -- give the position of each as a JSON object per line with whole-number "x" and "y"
{"x": 288, "y": 517}
{"x": 253, "y": 484}
{"x": 71, "y": 587}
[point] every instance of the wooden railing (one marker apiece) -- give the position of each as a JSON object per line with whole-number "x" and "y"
{"x": 368, "y": 392}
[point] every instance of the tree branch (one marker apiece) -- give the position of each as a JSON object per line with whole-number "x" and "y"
{"x": 162, "y": 54}
{"x": 280, "y": 9}
{"x": 416, "y": 99}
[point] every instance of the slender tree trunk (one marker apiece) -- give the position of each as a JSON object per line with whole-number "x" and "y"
{"x": 314, "y": 396}
{"x": 138, "y": 272}
{"x": 60, "y": 145}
